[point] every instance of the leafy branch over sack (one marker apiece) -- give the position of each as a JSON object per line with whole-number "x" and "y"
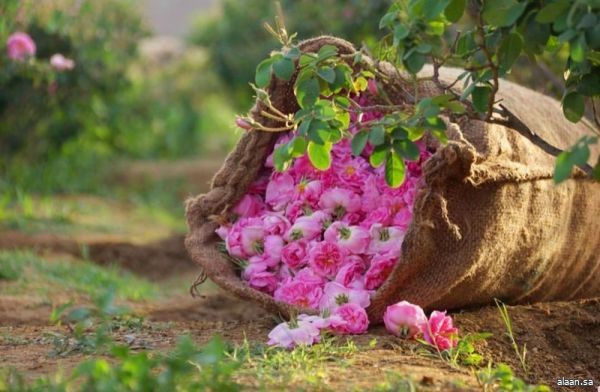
{"x": 493, "y": 34}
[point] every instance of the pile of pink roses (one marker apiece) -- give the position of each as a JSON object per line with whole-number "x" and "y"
{"x": 403, "y": 319}
{"x": 322, "y": 240}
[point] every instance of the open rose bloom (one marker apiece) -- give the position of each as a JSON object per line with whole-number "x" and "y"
{"x": 322, "y": 240}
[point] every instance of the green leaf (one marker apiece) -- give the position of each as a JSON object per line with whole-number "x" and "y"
{"x": 293, "y": 53}
{"x": 573, "y": 106}
{"x": 387, "y": 19}
{"x": 281, "y": 157}
{"x": 359, "y": 141}
{"x": 481, "y": 97}
{"x": 378, "y": 156}
{"x": 578, "y": 49}
{"x": 307, "y": 92}
{"x": 407, "y": 149}
{"x": 377, "y": 135}
{"x": 304, "y": 127}
{"x": 319, "y": 132}
{"x": 263, "y": 73}
{"x": 327, "y": 74}
{"x": 502, "y": 13}
{"x": 400, "y": 32}
{"x": 414, "y": 62}
{"x": 298, "y": 146}
{"x": 284, "y": 68}
{"x": 394, "y": 170}
{"x": 455, "y": 10}
{"x": 509, "y": 51}
{"x": 326, "y": 52}
{"x": 552, "y": 11}
{"x": 320, "y": 155}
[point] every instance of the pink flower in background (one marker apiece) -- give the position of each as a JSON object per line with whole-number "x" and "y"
{"x": 325, "y": 258}
{"x": 242, "y": 123}
{"x": 353, "y": 239}
{"x": 440, "y": 331}
{"x": 20, "y": 46}
{"x": 289, "y": 336}
{"x": 61, "y": 63}
{"x": 349, "y": 319}
{"x": 294, "y": 254}
{"x": 249, "y": 205}
{"x": 402, "y": 219}
{"x": 404, "y": 319}
{"x": 339, "y": 201}
{"x": 336, "y": 295}
{"x": 300, "y": 293}
{"x": 385, "y": 240}
{"x": 381, "y": 267}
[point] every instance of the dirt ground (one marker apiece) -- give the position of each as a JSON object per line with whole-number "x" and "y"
{"x": 562, "y": 339}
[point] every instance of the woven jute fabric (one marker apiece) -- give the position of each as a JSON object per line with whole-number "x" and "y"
{"x": 488, "y": 223}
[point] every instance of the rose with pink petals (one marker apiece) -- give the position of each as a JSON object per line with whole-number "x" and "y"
{"x": 275, "y": 223}
{"x": 440, "y": 331}
{"x": 352, "y": 239}
{"x": 249, "y": 206}
{"x": 349, "y": 319}
{"x": 294, "y": 254}
{"x": 381, "y": 267}
{"x": 336, "y": 295}
{"x": 61, "y": 63}
{"x": 280, "y": 191}
{"x": 385, "y": 240}
{"x": 404, "y": 319}
{"x": 325, "y": 258}
{"x": 263, "y": 281}
{"x": 252, "y": 235}
{"x": 307, "y": 227}
{"x": 339, "y": 201}
{"x": 20, "y": 46}
{"x": 351, "y": 272}
{"x": 290, "y": 335}
{"x": 300, "y": 293}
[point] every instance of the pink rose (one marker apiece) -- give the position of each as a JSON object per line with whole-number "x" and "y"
{"x": 252, "y": 236}
{"x": 379, "y": 215}
{"x": 352, "y": 172}
{"x": 289, "y": 336}
{"x": 273, "y": 248}
{"x": 440, "y": 331}
{"x": 381, "y": 267}
{"x": 339, "y": 201}
{"x": 263, "y": 281}
{"x": 336, "y": 295}
{"x": 352, "y": 239}
{"x": 20, "y": 46}
{"x": 349, "y": 319}
{"x": 294, "y": 254}
{"x": 325, "y": 258}
{"x": 385, "y": 240}
{"x": 351, "y": 272}
{"x": 404, "y": 319}
{"x": 222, "y": 232}
{"x": 280, "y": 191}
{"x": 249, "y": 205}
{"x": 317, "y": 321}
{"x": 275, "y": 223}
{"x": 300, "y": 293}
{"x": 307, "y": 275}
{"x": 61, "y": 63}
{"x": 307, "y": 227}
{"x": 308, "y": 192}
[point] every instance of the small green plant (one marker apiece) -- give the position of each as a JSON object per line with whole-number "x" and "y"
{"x": 521, "y": 353}
{"x": 501, "y": 378}
{"x": 464, "y": 353}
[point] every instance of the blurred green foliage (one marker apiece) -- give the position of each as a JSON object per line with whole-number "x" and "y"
{"x": 128, "y": 96}
{"x": 237, "y": 40}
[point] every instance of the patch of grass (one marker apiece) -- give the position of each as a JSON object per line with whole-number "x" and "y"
{"x": 520, "y": 352}
{"x": 32, "y": 273}
{"x": 502, "y": 378}
{"x": 302, "y": 367}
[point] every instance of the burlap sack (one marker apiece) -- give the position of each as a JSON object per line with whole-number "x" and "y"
{"x": 489, "y": 223}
